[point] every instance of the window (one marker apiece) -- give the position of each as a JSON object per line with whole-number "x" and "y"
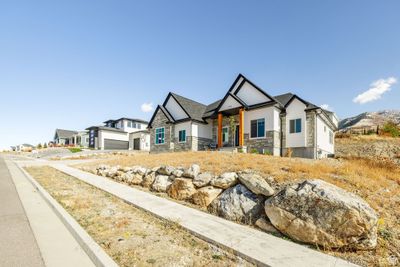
{"x": 257, "y": 128}
{"x": 295, "y": 126}
{"x": 330, "y": 137}
{"x": 225, "y": 135}
{"x": 182, "y": 136}
{"x": 87, "y": 139}
{"x": 160, "y": 136}
{"x": 139, "y": 126}
{"x": 129, "y": 124}
{"x": 133, "y": 125}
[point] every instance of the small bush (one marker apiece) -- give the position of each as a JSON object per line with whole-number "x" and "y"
{"x": 254, "y": 151}
{"x": 74, "y": 149}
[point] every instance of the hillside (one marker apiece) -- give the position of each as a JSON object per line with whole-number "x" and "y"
{"x": 370, "y": 119}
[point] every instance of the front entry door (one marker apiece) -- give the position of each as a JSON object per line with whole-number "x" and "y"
{"x": 237, "y": 135}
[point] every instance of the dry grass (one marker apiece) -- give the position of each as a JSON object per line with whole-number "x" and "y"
{"x": 378, "y": 182}
{"x": 129, "y": 235}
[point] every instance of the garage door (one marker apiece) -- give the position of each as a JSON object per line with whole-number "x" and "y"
{"x": 116, "y": 144}
{"x": 136, "y": 144}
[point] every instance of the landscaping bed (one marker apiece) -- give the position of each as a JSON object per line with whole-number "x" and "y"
{"x": 375, "y": 182}
{"x": 129, "y": 235}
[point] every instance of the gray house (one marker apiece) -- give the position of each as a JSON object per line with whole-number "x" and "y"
{"x": 64, "y": 137}
{"x": 246, "y": 118}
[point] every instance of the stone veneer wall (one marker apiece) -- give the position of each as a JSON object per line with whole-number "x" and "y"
{"x": 200, "y": 143}
{"x": 186, "y": 146}
{"x": 160, "y": 120}
{"x": 310, "y": 122}
{"x": 267, "y": 144}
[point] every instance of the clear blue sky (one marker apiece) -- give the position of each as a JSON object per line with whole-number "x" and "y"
{"x": 72, "y": 64}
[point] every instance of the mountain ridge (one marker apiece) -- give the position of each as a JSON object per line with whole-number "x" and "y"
{"x": 370, "y": 119}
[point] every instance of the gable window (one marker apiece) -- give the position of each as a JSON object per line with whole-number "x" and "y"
{"x": 257, "y": 128}
{"x": 295, "y": 126}
{"x": 182, "y": 136}
{"x": 330, "y": 137}
{"x": 160, "y": 136}
{"x": 225, "y": 135}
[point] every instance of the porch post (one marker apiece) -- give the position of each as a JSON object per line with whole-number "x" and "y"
{"x": 241, "y": 127}
{"x": 219, "y": 130}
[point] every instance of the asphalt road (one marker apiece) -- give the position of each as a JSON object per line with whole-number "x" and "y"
{"x": 18, "y": 245}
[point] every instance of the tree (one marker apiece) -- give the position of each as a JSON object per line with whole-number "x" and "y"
{"x": 39, "y": 146}
{"x": 232, "y": 126}
{"x": 45, "y": 145}
{"x": 391, "y": 128}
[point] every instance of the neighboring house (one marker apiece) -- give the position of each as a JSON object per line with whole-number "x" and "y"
{"x": 64, "y": 137}
{"x": 118, "y": 134}
{"x": 25, "y": 148}
{"x": 248, "y": 118}
{"x": 139, "y": 140}
{"x": 81, "y": 138}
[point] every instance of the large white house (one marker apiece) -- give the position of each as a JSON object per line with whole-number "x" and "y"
{"x": 247, "y": 118}
{"x": 120, "y": 134}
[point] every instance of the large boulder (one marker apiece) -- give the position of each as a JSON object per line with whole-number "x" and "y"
{"x": 256, "y": 184}
{"x": 203, "y": 179}
{"x": 139, "y": 170}
{"x": 317, "y": 212}
{"x": 205, "y": 195}
{"x": 181, "y": 189}
{"x": 112, "y": 172}
{"x": 161, "y": 183}
{"x": 225, "y": 180}
{"x": 165, "y": 170}
{"x": 178, "y": 172}
{"x": 137, "y": 179}
{"x": 148, "y": 179}
{"x": 192, "y": 172}
{"x": 238, "y": 204}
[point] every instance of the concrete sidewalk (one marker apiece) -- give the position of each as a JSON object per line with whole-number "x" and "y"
{"x": 53, "y": 243}
{"x": 18, "y": 246}
{"x": 251, "y": 244}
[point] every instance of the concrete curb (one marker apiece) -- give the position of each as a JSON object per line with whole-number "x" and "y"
{"x": 98, "y": 256}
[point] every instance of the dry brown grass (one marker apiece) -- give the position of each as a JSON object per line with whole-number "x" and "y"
{"x": 129, "y": 235}
{"x": 378, "y": 182}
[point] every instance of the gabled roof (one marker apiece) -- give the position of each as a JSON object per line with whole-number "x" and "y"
{"x": 287, "y": 98}
{"x": 65, "y": 133}
{"x": 210, "y": 109}
{"x": 163, "y": 110}
{"x": 193, "y": 109}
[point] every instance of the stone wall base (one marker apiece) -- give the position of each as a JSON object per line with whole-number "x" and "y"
{"x": 301, "y": 152}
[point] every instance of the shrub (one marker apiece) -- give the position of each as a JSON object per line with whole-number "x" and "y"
{"x": 391, "y": 128}
{"x": 254, "y": 151}
{"x": 74, "y": 149}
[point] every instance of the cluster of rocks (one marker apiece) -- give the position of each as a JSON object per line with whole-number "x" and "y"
{"x": 311, "y": 211}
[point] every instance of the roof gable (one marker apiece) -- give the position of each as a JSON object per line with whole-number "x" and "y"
{"x": 175, "y": 108}
{"x": 230, "y": 102}
{"x": 164, "y": 111}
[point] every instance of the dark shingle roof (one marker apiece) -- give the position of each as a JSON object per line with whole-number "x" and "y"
{"x": 210, "y": 109}
{"x": 65, "y": 133}
{"x": 193, "y": 108}
{"x": 284, "y": 99}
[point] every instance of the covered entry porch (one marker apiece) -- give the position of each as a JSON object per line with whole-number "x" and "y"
{"x": 230, "y": 128}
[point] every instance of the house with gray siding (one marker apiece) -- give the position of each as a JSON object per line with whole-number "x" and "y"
{"x": 246, "y": 119}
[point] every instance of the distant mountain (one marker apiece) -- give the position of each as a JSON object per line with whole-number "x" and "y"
{"x": 370, "y": 119}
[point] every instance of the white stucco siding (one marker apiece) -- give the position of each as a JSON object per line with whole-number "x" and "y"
{"x": 270, "y": 114}
{"x": 111, "y": 135}
{"x": 323, "y": 143}
{"x": 183, "y": 126}
{"x": 175, "y": 109}
{"x": 144, "y": 140}
{"x": 250, "y": 95}
{"x": 230, "y": 103}
{"x": 202, "y": 130}
{"x": 296, "y": 111}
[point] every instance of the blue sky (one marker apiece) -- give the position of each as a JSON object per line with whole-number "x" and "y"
{"x": 72, "y": 64}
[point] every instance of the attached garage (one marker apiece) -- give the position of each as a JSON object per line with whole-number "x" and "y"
{"x": 110, "y": 144}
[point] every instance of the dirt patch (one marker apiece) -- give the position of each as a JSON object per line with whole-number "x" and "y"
{"x": 129, "y": 235}
{"x": 378, "y": 182}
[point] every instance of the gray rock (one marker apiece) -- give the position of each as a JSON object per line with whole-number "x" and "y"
{"x": 177, "y": 172}
{"x": 137, "y": 179}
{"x": 238, "y": 204}
{"x": 317, "y": 212}
{"x": 192, "y": 172}
{"x": 226, "y": 180}
{"x": 256, "y": 184}
{"x": 161, "y": 183}
{"x": 165, "y": 170}
{"x": 112, "y": 172}
{"x": 127, "y": 177}
{"x": 139, "y": 170}
{"x": 127, "y": 169}
{"x": 266, "y": 226}
{"x": 203, "y": 179}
